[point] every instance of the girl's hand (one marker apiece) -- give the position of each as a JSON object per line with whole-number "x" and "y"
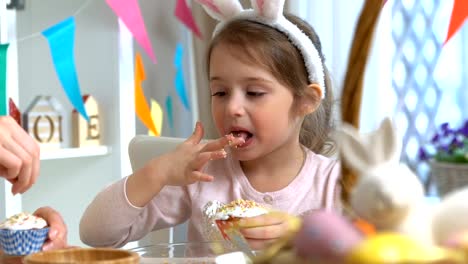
{"x": 19, "y": 155}
{"x": 263, "y": 230}
{"x": 58, "y": 230}
{"x": 184, "y": 165}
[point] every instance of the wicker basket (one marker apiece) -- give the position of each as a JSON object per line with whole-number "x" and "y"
{"x": 449, "y": 176}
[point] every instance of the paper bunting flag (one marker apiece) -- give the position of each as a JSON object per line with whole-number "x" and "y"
{"x": 157, "y": 116}
{"x": 170, "y": 116}
{"x": 458, "y": 17}
{"x": 14, "y": 111}
{"x": 129, "y": 12}
{"x": 61, "y": 38}
{"x": 179, "y": 81}
{"x": 3, "y": 93}
{"x": 184, "y": 14}
{"x": 141, "y": 106}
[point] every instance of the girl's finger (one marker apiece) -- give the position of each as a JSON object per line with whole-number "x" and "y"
{"x": 220, "y": 143}
{"x": 200, "y": 176}
{"x": 258, "y": 244}
{"x": 204, "y": 157}
{"x": 272, "y": 218}
{"x": 197, "y": 135}
{"x": 265, "y": 232}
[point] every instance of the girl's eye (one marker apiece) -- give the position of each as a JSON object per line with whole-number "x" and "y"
{"x": 255, "y": 93}
{"x": 218, "y": 93}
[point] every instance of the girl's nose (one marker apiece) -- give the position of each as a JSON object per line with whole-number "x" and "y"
{"x": 235, "y": 106}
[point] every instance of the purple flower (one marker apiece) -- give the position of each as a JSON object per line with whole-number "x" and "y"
{"x": 447, "y": 144}
{"x": 456, "y": 143}
{"x": 464, "y": 130}
{"x": 422, "y": 155}
{"x": 443, "y": 148}
{"x": 444, "y": 126}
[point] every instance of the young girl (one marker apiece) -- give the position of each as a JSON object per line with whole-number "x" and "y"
{"x": 271, "y": 95}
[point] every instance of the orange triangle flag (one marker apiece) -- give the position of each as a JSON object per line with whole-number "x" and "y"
{"x": 459, "y": 15}
{"x": 141, "y": 105}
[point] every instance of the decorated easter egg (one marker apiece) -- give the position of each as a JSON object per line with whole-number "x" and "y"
{"x": 459, "y": 240}
{"x": 326, "y": 236}
{"x": 395, "y": 248}
{"x": 365, "y": 227}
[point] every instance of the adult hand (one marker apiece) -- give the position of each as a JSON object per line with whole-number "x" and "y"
{"x": 261, "y": 231}
{"x": 58, "y": 230}
{"x": 19, "y": 155}
{"x": 184, "y": 165}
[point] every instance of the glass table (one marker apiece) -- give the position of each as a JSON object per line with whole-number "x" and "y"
{"x": 176, "y": 253}
{"x": 190, "y": 252}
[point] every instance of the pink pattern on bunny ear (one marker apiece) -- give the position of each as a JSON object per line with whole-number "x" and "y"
{"x": 270, "y": 10}
{"x": 260, "y": 6}
{"x": 221, "y": 9}
{"x": 209, "y": 4}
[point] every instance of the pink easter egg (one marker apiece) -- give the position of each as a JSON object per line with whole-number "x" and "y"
{"x": 458, "y": 240}
{"x": 326, "y": 236}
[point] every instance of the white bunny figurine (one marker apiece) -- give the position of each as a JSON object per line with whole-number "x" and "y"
{"x": 387, "y": 194}
{"x": 450, "y": 216}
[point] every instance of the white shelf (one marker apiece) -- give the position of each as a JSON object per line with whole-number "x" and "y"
{"x": 66, "y": 153}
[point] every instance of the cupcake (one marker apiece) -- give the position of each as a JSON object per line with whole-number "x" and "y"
{"x": 23, "y": 234}
{"x": 225, "y": 216}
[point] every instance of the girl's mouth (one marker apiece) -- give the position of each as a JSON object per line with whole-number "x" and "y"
{"x": 247, "y": 136}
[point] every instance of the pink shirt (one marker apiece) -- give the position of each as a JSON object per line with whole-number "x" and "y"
{"x": 110, "y": 220}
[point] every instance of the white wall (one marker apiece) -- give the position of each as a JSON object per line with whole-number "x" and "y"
{"x": 165, "y": 32}
{"x": 68, "y": 185}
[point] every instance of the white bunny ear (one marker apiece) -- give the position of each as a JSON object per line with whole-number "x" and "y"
{"x": 386, "y": 144}
{"x": 352, "y": 149}
{"x": 221, "y": 9}
{"x": 268, "y": 9}
{"x": 365, "y": 152}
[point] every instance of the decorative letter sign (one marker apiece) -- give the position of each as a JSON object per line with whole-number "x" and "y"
{"x": 87, "y": 133}
{"x": 43, "y": 121}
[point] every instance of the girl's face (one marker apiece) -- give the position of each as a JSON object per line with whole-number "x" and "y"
{"x": 248, "y": 101}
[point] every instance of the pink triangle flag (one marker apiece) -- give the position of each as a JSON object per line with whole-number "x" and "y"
{"x": 129, "y": 12}
{"x": 184, "y": 14}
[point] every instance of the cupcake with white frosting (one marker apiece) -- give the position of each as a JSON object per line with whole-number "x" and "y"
{"x": 234, "y": 210}
{"x": 23, "y": 234}
{"x": 223, "y": 216}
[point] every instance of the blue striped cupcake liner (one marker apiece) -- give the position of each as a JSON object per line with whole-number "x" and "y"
{"x": 22, "y": 242}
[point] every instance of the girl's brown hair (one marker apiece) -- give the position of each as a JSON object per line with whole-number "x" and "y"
{"x": 270, "y": 48}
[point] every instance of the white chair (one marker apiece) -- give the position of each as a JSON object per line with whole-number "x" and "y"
{"x": 141, "y": 149}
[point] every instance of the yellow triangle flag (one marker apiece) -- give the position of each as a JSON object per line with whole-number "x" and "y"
{"x": 157, "y": 116}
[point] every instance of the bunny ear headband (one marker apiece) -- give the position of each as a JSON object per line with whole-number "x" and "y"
{"x": 270, "y": 13}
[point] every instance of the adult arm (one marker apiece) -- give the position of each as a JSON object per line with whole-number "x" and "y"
{"x": 19, "y": 155}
